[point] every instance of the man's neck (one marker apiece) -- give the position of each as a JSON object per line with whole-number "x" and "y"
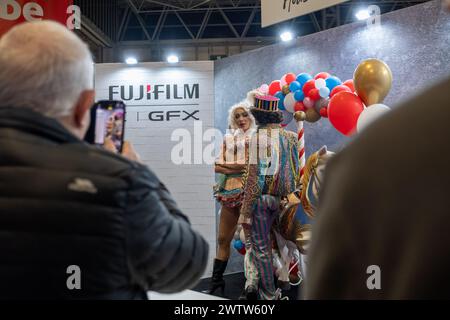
{"x": 67, "y": 123}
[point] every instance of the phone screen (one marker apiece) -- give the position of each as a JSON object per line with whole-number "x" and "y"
{"x": 109, "y": 120}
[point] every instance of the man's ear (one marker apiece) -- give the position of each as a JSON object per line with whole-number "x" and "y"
{"x": 82, "y": 108}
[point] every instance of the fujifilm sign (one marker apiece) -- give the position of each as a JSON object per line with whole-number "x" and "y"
{"x": 154, "y": 92}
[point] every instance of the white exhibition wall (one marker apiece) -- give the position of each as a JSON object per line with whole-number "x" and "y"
{"x": 161, "y": 99}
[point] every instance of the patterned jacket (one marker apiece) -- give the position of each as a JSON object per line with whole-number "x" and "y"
{"x": 273, "y": 167}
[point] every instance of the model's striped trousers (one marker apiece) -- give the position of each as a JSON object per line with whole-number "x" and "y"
{"x": 258, "y": 258}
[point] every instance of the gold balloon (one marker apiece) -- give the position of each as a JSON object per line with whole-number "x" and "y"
{"x": 285, "y": 89}
{"x": 300, "y": 116}
{"x": 312, "y": 115}
{"x": 373, "y": 80}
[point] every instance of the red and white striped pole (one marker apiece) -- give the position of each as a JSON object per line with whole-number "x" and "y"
{"x": 300, "y": 117}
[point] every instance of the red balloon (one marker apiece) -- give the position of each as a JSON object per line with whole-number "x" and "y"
{"x": 309, "y": 85}
{"x": 322, "y": 75}
{"x": 338, "y": 89}
{"x": 344, "y": 110}
{"x": 349, "y": 83}
{"x": 290, "y": 77}
{"x": 242, "y": 251}
{"x": 299, "y": 106}
{"x": 314, "y": 95}
{"x": 274, "y": 87}
{"x": 324, "y": 112}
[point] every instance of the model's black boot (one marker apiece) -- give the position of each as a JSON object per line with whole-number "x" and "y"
{"x": 217, "y": 277}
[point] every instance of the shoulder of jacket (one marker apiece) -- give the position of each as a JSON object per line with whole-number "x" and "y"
{"x": 136, "y": 174}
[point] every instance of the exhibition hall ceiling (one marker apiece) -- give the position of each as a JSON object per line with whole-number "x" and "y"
{"x": 197, "y": 23}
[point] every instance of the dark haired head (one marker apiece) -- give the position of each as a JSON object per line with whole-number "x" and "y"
{"x": 264, "y": 117}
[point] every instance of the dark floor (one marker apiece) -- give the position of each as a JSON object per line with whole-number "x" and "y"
{"x": 234, "y": 285}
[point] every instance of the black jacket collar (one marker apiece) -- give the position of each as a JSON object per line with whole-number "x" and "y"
{"x": 29, "y": 121}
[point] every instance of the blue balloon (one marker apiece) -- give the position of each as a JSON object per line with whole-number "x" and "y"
{"x": 299, "y": 95}
{"x": 333, "y": 82}
{"x": 294, "y": 86}
{"x": 280, "y": 96}
{"x": 303, "y": 78}
{"x": 281, "y": 104}
{"x": 238, "y": 245}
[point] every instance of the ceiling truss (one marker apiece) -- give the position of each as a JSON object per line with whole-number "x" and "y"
{"x": 208, "y": 22}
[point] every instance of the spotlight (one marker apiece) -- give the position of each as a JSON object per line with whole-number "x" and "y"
{"x": 172, "y": 59}
{"x": 287, "y": 36}
{"x": 131, "y": 60}
{"x": 363, "y": 14}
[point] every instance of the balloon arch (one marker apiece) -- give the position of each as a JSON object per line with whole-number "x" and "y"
{"x": 344, "y": 103}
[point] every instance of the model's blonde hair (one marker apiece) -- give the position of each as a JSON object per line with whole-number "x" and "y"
{"x": 240, "y": 105}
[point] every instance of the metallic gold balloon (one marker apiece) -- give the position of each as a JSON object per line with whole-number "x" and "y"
{"x": 373, "y": 80}
{"x": 300, "y": 116}
{"x": 312, "y": 115}
{"x": 285, "y": 89}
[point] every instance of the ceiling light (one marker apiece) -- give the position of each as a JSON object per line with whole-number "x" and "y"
{"x": 131, "y": 60}
{"x": 172, "y": 59}
{"x": 363, "y": 14}
{"x": 287, "y": 36}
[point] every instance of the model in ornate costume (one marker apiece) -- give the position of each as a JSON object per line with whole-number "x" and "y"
{"x": 231, "y": 165}
{"x": 270, "y": 177}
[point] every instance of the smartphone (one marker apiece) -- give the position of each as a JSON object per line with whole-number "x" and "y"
{"x": 107, "y": 123}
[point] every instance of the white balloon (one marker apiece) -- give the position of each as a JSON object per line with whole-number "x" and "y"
{"x": 289, "y": 102}
{"x": 324, "y": 92}
{"x": 320, "y": 83}
{"x": 370, "y": 114}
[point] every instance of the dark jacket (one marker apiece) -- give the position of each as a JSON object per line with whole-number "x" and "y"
{"x": 65, "y": 203}
{"x": 385, "y": 202}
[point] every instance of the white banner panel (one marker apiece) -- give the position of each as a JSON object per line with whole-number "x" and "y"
{"x": 274, "y": 11}
{"x": 161, "y": 98}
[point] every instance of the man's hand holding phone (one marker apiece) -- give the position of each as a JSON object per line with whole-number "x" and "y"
{"x": 128, "y": 150}
{"x": 107, "y": 128}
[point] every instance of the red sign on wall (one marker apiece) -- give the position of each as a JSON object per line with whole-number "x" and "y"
{"x": 13, "y": 12}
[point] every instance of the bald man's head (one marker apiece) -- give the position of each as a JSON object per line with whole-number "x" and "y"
{"x": 44, "y": 67}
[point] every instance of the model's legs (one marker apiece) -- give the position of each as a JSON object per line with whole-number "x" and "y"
{"x": 227, "y": 228}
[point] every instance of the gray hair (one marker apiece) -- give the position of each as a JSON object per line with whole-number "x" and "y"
{"x": 240, "y": 105}
{"x": 44, "y": 67}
